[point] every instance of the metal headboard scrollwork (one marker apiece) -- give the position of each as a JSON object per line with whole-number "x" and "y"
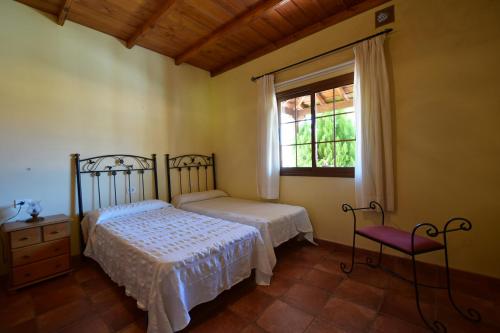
{"x": 197, "y": 169}
{"x": 113, "y": 166}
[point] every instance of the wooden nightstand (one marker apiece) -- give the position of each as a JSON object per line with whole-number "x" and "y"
{"x": 37, "y": 251}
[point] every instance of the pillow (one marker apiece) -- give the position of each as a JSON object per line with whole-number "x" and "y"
{"x": 96, "y": 216}
{"x": 182, "y": 199}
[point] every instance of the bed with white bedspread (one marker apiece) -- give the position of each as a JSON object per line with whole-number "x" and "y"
{"x": 171, "y": 260}
{"x": 277, "y": 223}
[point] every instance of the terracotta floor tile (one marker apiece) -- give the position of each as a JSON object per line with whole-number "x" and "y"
{"x": 28, "y": 326}
{"x": 19, "y": 308}
{"x": 290, "y": 271}
{"x": 92, "y": 324}
{"x": 279, "y": 286}
{"x": 63, "y": 316}
{"x": 133, "y": 328}
{"x": 341, "y": 256}
{"x": 88, "y": 301}
{"x": 360, "y": 293}
{"x": 488, "y": 310}
{"x": 117, "y": 316}
{"x": 323, "y": 279}
{"x": 224, "y": 322}
{"x": 386, "y": 324}
{"x": 93, "y": 286}
{"x": 322, "y": 326}
{"x": 308, "y": 255}
{"x": 131, "y": 305}
{"x": 329, "y": 266}
{"x": 52, "y": 285}
{"x": 426, "y": 274}
{"x": 403, "y": 288}
{"x": 252, "y": 328}
{"x": 346, "y": 315}
{"x": 106, "y": 298}
{"x": 307, "y": 298}
{"x": 468, "y": 283}
{"x": 306, "y": 248}
{"x": 251, "y": 305}
{"x": 372, "y": 276}
{"x": 283, "y": 318}
{"x": 405, "y": 308}
{"x": 45, "y": 299}
{"x": 88, "y": 271}
{"x": 464, "y": 326}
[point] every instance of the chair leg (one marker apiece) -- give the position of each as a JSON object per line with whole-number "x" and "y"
{"x": 472, "y": 314}
{"x": 369, "y": 260}
{"x": 436, "y": 326}
{"x": 343, "y": 266}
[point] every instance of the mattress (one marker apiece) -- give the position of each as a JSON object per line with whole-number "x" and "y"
{"x": 277, "y": 223}
{"x": 171, "y": 260}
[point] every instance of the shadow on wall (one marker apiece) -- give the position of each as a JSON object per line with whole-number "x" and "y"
{"x": 6, "y": 213}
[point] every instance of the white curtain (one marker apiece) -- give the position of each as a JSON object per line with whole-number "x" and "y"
{"x": 374, "y": 165}
{"x": 268, "y": 159}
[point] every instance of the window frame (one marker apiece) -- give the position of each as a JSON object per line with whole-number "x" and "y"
{"x": 311, "y": 90}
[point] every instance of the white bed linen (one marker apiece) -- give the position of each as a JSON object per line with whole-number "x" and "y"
{"x": 277, "y": 223}
{"x": 170, "y": 260}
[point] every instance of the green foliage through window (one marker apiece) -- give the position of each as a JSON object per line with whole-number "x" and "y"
{"x": 325, "y": 149}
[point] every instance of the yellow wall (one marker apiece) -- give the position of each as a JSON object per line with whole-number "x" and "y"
{"x": 72, "y": 89}
{"x": 444, "y": 58}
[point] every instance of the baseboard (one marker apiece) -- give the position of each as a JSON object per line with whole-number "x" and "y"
{"x": 485, "y": 284}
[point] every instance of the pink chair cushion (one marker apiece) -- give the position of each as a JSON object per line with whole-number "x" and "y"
{"x": 398, "y": 239}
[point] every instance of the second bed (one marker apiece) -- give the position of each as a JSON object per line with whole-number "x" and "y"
{"x": 276, "y": 222}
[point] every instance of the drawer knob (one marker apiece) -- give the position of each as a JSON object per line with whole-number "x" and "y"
{"x": 26, "y": 257}
{"x": 23, "y": 239}
{"x": 54, "y": 232}
{"x": 56, "y": 249}
{"x": 27, "y": 274}
{"x": 58, "y": 265}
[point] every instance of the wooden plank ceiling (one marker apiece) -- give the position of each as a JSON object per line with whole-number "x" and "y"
{"x": 215, "y": 35}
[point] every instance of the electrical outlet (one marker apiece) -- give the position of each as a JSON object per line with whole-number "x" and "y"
{"x": 21, "y": 202}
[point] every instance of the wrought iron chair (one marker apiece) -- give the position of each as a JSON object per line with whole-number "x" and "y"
{"x": 411, "y": 244}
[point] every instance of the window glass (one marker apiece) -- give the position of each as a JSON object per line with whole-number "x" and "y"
{"x": 318, "y": 128}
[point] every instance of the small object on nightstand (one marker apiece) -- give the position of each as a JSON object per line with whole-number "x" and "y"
{"x": 37, "y": 251}
{"x": 34, "y": 209}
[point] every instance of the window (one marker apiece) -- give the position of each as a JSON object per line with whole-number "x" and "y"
{"x": 317, "y": 129}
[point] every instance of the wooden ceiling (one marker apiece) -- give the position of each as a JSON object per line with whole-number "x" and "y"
{"x": 215, "y": 35}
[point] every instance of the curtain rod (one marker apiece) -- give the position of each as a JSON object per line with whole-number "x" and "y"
{"x": 386, "y": 31}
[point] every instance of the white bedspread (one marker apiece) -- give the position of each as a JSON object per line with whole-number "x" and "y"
{"x": 171, "y": 260}
{"x": 277, "y": 223}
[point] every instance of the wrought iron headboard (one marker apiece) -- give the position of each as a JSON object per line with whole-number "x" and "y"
{"x": 189, "y": 163}
{"x": 112, "y": 166}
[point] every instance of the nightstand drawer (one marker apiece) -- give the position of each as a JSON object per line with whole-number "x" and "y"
{"x": 38, "y": 270}
{"x": 55, "y": 231}
{"x": 25, "y": 237}
{"x": 41, "y": 251}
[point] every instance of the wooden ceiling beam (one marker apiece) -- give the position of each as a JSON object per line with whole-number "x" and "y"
{"x": 150, "y": 23}
{"x": 309, "y": 30}
{"x": 234, "y": 24}
{"x": 321, "y": 98}
{"x": 344, "y": 94}
{"x": 63, "y": 13}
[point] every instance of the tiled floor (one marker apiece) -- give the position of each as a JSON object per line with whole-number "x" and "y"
{"x": 308, "y": 294}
